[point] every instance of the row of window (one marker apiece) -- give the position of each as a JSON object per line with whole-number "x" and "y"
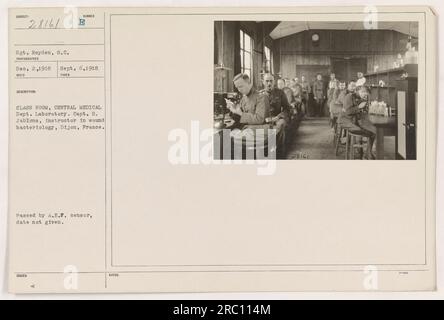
{"x": 246, "y": 53}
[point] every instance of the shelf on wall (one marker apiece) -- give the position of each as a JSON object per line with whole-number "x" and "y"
{"x": 411, "y": 69}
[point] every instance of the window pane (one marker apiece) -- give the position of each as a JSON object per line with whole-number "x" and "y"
{"x": 247, "y": 60}
{"x": 241, "y": 39}
{"x": 247, "y": 43}
{"x": 267, "y": 53}
{"x": 271, "y": 63}
{"x": 242, "y": 60}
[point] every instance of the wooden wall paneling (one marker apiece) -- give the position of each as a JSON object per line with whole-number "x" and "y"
{"x": 277, "y": 56}
{"x": 345, "y": 42}
{"x": 291, "y": 53}
{"x": 339, "y": 41}
{"x": 288, "y": 66}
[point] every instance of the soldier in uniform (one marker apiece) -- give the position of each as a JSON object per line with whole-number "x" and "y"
{"x": 279, "y": 112}
{"x": 249, "y": 115}
{"x": 333, "y": 85}
{"x": 305, "y": 92}
{"x": 361, "y": 80}
{"x": 296, "y": 88}
{"x": 287, "y": 82}
{"x": 281, "y": 84}
{"x": 319, "y": 95}
{"x": 354, "y": 117}
{"x": 253, "y": 108}
{"x": 336, "y": 102}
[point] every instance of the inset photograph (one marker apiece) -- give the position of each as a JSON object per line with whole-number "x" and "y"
{"x": 312, "y": 90}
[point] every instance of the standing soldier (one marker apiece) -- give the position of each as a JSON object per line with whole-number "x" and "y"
{"x": 305, "y": 92}
{"x": 333, "y": 84}
{"x": 319, "y": 95}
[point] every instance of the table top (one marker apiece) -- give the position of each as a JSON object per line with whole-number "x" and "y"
{"x": 227, "y": 120}
{"x": 381, "y": 121}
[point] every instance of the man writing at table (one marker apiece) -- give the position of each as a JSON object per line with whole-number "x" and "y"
{"x": 253, "y": 108}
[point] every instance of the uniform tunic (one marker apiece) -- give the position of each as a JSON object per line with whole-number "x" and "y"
{"x": 319, "y": 89}
{"x": 305, "y": 89}
{"x": 354, "y": 118}
{"x": 255, "y": 108}
{"x": 279, "y": 105}
{"x": 336, "y": 102}
{"x": 332, "y": 87}
{"x": 319, "y": 94}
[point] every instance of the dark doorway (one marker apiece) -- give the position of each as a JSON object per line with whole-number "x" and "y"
{"x": 346, "y": 69}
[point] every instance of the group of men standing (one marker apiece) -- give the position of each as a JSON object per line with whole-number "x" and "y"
{"x": 315, "y": 98}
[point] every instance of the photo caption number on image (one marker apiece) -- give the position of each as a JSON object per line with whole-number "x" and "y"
{"x": 223, "y": 310}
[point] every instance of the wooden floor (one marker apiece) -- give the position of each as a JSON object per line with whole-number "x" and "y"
{"x": 313, "y": 139}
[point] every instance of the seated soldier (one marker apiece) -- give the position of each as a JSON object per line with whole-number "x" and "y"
{"x": 354, "y": 117}
{"x": 336, "y": 102}
{"x": 361, "y": 80}
{"x": 345, "y": 120}
{"x": 254, "y": 107}
{"x": 279, "y": 112}
{"x": 281, "y": 84}
{"x": 297, "y": 93}
{"x": 294, "y": 112}
{"x": 251, "y": 112}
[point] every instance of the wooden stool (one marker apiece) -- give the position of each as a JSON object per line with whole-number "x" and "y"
{"x": 339, "y": 133}
{"x": 335, "y": 133}
{"x": 355, "y": 141}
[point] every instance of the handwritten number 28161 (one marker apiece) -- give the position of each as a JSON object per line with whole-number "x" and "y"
{"x": 44, "y": 24}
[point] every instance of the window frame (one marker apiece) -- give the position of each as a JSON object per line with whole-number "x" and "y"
{"x": 243, "y": 52}
{"x": 268, "y": 63}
